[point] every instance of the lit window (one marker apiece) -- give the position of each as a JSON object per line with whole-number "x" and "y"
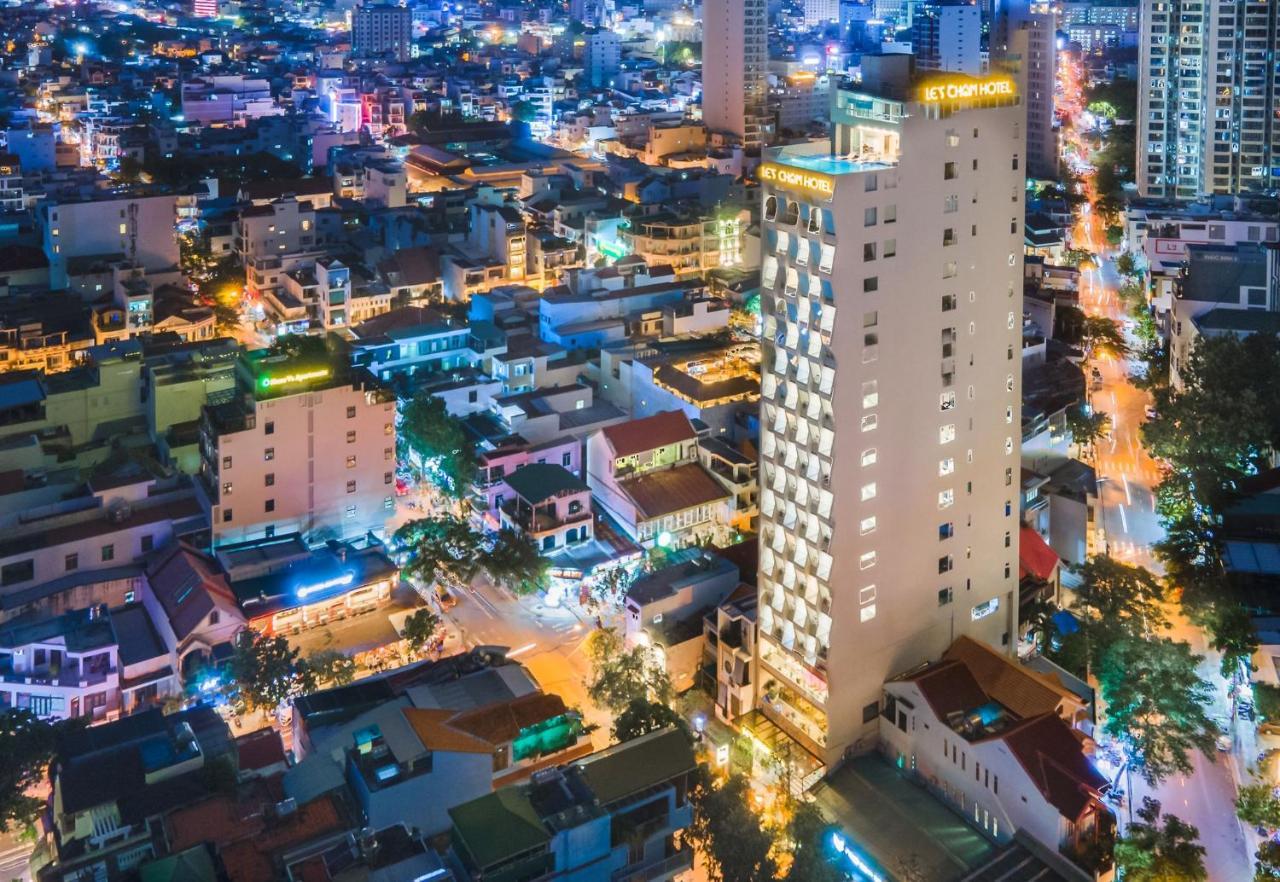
{"x": 1008, "y": 383}
{"x": 351, "y": 486}
{"x": 868, "y": 525}
{"x": 947, "y": 433}
{"x": 1008, "y": 446}
{"x": 946, "y": 466}
{"x": 870, "y": 394}
{"x": 351, "y": 511}
{"x": 868, "y": 491}
{"x": 868, "y": 422}
{"x": 869, "y": 457}
{"x": 1008, "y": 414}
{"x": 867, "y": 613}
{"x": 226, "y": 462}
{"x": 867, "y": 560}
{"x": 867, "y": 595}
{"x": 351, "y": 462}
{"x": 124, "y": 229}
{"x": 947, "y": 400}
{"x": 946, "y": 498}
{"x": 226, "y": 488}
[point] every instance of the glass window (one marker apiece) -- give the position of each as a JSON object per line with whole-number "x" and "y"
{"x": 868, "y": 491}
{"x": 869, "y": 457}
{"x": 868, "y": 525}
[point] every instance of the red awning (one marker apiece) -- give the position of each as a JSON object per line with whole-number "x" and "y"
{"x": 1035, "y": 557}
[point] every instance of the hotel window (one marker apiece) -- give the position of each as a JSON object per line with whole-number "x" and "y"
{"x": 869, "y": 251}
{"x": 946, "y": 531}
{"x": 226, "y": 515}
{"x": 351, "y": 486}
{"x": 951, "y": 204}
{"x": 867, "y": 560}
{"x": 226, "y": 488}
{"x": 890, "y": 247}
{"x": 867, "y": 595}
{"x": 1008, "y": 383}
{"x": 1011, "y": 321}
{"x": 870, "y": 284}
{"x": 226, "y": 462}
{"x": 269, "y": 454}
{"x": 108, "y": 552}
{"x": 1008, "y": 414}
{"x": 71, "y": 562}
{"x": 269, "y": 479}
{"x": 388, "y": 477}
{"x": 870, "y": 393}
{"x": 947, "y": 433}
{"x": 1008, "y": 446}
{"x": 946, "y": 498}
{"x": 945, "y": 564}
{"x": 947, "y": 400}
{"x": 868, "y": 491}
{"x": 1008, "y": 539}
{"x": 890, "y": 214}
{"x": 351, "y": 412}
{"x": 770, "y": 208}
{"x": 946, "y": 466}
{"x": 269, "y": 427}
{"x": 869, "y": 457}
{"x": 351, "y": 511}
{"x": 949, "y": 270}
{"x": 949, "y": 171}
{"x": 388, "y": 429}
{"x": 945, "y": 596}
{"x": 827, "y": 257}
{"x": 269, "y": 506}
{"x": 868, "y": 525}
{"x": 351, "y": 462}
{"x": 948, "y": 302}
{"x": 869, "y": 422}
{"x": 351, "y": 437}
{"x": 869, "y": 216}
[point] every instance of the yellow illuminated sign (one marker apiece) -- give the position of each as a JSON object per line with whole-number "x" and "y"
{"x": 810, "y": 183}
{"x": 967, "y": 90}
{"x": 287, "y": 379}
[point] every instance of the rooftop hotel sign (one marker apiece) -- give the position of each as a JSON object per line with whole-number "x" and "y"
{"x": 812, "y": 184}
{"x": 967, "y": 90}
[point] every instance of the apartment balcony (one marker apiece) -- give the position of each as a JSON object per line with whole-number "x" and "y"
{"x": 68, "y": 679}
{"x": 536, "y": 522}
{"x": 679, "y": 861}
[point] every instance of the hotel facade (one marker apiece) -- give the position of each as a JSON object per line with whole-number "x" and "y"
{"x": 890, "y": 418}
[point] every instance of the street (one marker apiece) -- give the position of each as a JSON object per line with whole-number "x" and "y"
{"x": 547, "y": 641}
{"x": 1127, "y": 477}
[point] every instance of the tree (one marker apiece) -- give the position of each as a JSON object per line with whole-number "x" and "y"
{"x": 810, "y": 861}
{"x": 1114, "y": 602}
{"x": 26, "y": 747}
{"x": 437, "y": 439}
{"x": 621, "y": 675}
{"x": 1127, "y": 264}
{"x": 1152, "y": 851}
{"x": 420, "y": 629}
{"x": 267, "y": 669}
{"x": 1257, "y": 805}
{"x": 1266, "y": 701}
{"x": 728, "y": 833}
{"x": 331, "y": 666}
{"x": 443, "y": 551}
{"x": 1087, "y": 426}
{"x": 524, "y": 111}
{"x": 515, "y": 563}
{"x": 1231, "y": 633}
{"x": 1267, "y": 862}
{"x": 1155, "y": 704}
{"x": 641, "y": 716}
{"x": 1101, "y": 335}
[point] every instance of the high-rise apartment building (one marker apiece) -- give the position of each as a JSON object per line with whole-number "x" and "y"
{"x": 382, "y": 30}
{"x": 1024, "y": 39}
{"x": 948, "y": 37}
{"x": 735, "y": 57}
{"x": 601, "y": 56}
{"x": 890, "y": 409}
{"x": 819, "y": 12}
{"x": 1207, "y": 90}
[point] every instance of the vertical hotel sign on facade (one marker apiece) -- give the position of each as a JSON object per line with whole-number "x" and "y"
{"x": 815, "y": 185}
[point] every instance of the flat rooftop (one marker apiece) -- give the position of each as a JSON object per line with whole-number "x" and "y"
{"x": 887, "y": 818}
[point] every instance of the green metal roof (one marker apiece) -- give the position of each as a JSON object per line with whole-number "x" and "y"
{"x": 540, "y": 481}
{"x": 637, "y": 765}
{"x": 498, "y": 827}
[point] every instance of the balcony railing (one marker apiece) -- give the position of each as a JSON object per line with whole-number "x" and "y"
{"x": 661, "y": 869}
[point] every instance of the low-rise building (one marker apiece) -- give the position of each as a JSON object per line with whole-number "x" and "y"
{"x": 995, "y": 739}
{"x": 615, "y": 814}
{"x": 646, "y": 474}
{"x": 306, "y": 445}
{"x": 490, "y": 490}
{"x": 550, "y": 505}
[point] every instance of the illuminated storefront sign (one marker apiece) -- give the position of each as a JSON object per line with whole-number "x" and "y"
{"x": 810, "y": 183}
{"x": 845, "y": 849}
{"x": 336, "y": 582}
{"x": 967, "y": 90}
{"x": 288, "y": 379}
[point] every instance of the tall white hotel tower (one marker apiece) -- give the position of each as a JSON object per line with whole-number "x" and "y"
{"x": 890, "y": 416}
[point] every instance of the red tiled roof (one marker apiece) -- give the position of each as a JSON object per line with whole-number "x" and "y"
{"x": 251, "y": 859}
{"x": 260, "y": 750}
{"x": 1035, "y": 557}
{"x": 649, "y": 433}
{"x": 949, "y": 687}
{"x": 1026, "y": 692}
{"x": 171, "y": 574}
{"x": 1053, "y": 758}
{"x": 670, "y": 490}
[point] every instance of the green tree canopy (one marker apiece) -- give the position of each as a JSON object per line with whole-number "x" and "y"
{"x": 267, "y": 669}
{"x": 1155, "y": 704}
{"x": 437, "y": 439}
{"x": 515, "y": 563}
{"x": 330, "y": 666}
{"x": 620, "y": 676}
{"x": 1087, "y": 427}
{"x": 27, "y": 745}
{"x": 443, "y": 551}
{"x": 420, "y": 628}
{"x": 810, "y": 857}
{"x": 1116, "y": 601}
{"x": 1160, "y": 848}
{"x": 1257, "y": 805}
{"x": 729, "y": 835}
{"x": 641, "y": 716}
{"x": 1102, "y": 336}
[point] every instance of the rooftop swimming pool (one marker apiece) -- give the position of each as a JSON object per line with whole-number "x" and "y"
{"x": 824, "y": 163}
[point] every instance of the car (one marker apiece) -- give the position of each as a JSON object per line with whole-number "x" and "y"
{"x": 447, "y": 600}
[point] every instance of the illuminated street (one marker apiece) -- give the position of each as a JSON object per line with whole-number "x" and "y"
{"x": 1127, "y": 478}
